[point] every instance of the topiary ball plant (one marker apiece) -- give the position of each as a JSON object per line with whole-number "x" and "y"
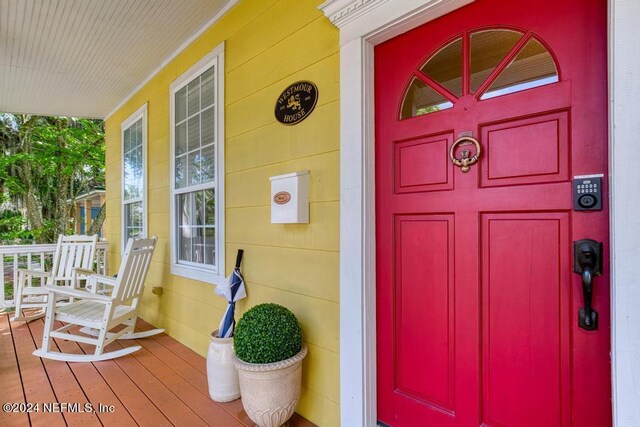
{"x": 267, "y": 333}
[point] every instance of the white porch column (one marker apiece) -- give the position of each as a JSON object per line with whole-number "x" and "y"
{"x": 624, "y": 78}
{"x": 357, "y": 237}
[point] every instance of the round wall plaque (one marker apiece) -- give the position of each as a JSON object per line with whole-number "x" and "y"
{"x": 296, "y": 102}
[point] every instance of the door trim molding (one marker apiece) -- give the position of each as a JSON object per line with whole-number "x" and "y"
{"x": 624, "y": 158}
{"x": 366, "y": 23}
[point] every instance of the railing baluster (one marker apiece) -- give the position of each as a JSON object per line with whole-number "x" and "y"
{"x": 29, "y": 268}
{"x": 15, "y": 271}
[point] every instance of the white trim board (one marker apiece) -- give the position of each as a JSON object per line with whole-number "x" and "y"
{"x": 624, "y": 158}
{"x": 365, "y": 23}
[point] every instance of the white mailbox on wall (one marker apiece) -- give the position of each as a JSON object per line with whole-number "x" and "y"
{"x": 290, "y": 198}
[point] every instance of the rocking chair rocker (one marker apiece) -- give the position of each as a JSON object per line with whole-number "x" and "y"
{"x": 72, "y": 260}
{"x": 99, "y": 313}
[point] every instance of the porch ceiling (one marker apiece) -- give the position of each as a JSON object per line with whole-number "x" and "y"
{"x": 82, "y": 58}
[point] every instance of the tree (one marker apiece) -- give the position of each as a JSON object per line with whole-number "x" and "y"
{"x": 47, "y": 161}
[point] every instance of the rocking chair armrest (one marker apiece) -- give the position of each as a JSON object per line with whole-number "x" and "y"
{"x": 104, "y": 280}
{"x": 37, "y": 273}
{"x": 76, "y": 293}
{"x": 84, "y": 271}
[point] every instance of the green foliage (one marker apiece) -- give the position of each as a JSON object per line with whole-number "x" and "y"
{"x": 44, "y": 162}
{"x": 13, "y": 228}
{"x": 267, "y": 333}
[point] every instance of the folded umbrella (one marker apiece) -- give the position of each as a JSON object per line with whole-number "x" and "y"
{"x": 233, "y": 290}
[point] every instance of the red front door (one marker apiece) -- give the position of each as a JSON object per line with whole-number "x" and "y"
{"x": 477, "y": 313}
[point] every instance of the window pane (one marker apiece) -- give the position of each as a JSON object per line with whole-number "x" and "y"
{"x": 194, "y": 133}
{"x": 181, "y": 172}
{"x": 185, "y": 209}
{"x": 132, "y": 174}
{"x": 137, "y": 132}
{"x": 137, "y": 170}
{"x": 207, "y": 163}
{"x": 208, "y": 126}
{"x": 128, "y": 175}
{"x": 197, "y": 245}
{"x": 210, "y": 246}
{"x": 194, "y": 168}
{"x": 210, "y": 207}
{"x": 133, "y": 220}
{"x": 488, "y": 48}
{"x": 193, "y": 98}
{"x": 199, "y": 211}
{"x": 421, "y": 99}
{"x": 185, "y": 238}
{"x": 445, "y": 67}
{"x": 134, "y": 214}
{"x": 127, "y": 139}
{"x": 181, "y": 138}
{"x": 208, "y": 87}
{"x": 181, "y": 104}
{"x": 532, "y": 67}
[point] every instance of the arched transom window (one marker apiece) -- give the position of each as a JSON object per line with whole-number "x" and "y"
{"x": 501, "y": 61}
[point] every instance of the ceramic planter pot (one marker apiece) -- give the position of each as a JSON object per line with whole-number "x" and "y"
{"x": 221, "y": 370}
{"x": 271, "y": 391}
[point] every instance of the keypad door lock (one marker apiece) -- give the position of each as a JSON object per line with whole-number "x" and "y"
{"x": 587, "y": 193}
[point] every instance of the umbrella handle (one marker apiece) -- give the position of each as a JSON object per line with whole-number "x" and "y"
{"x": 239, "y": 258}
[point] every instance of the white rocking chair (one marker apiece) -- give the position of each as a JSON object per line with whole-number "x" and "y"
{"x": 72, "y": 260}
{"x": 99, "y": 313}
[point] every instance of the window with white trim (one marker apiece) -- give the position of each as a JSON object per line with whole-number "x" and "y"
{"x": 134, "y": 175}
{"x": 197, "y": 162}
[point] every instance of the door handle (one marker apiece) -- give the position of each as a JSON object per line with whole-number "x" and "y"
{"x": 587, "y": 262}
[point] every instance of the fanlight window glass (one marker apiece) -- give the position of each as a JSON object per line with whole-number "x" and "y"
{"x": 421, "y": 99}
{"x": 501, "y": 61}
{"x": 445, "y": 67}
{"x": 532, "y": 67}
{"x": 487, "y": 50}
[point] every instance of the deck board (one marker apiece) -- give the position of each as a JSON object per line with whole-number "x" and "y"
{"x": 64, "y": 384}
{"x": 10, "y": 374}
{"x": 35, "y": 382}
{"x": 162, "y": 384}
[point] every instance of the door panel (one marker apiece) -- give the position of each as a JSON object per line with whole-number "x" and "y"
{"x": 476, "y": 299}
{"x": 424, "y": 285}
{"x": 526, "y": 151}
{"x": 526, "y": 315}
{"x": 422, "y": 164}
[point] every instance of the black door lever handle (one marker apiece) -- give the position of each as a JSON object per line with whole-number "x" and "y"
{"x": 587, "y": 293}
{"x": 587, "y": 262}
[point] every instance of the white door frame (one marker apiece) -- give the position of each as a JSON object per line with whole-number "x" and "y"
{"x": 366, "y": 23}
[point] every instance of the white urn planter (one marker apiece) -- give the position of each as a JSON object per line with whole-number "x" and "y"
{"x": 221, "y": 369}
{"x": 271, "y": 391}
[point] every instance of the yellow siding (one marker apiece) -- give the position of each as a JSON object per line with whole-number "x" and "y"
{"x": 269, "y": 44}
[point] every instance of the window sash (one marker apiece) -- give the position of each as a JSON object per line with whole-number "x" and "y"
{"x": 210, "y": 146}
{"x": 135, "y": 127}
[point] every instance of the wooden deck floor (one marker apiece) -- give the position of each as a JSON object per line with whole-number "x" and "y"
{"x": 163, "y": 384}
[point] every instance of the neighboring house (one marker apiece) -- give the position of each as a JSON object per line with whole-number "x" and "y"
{"x": 456, "y": 152}
{"x": 91, "y": 201}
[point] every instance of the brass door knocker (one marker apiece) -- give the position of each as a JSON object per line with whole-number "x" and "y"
{"x": 465, "y": 162}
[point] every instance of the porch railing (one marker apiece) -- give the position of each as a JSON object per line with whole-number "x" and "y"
{"x": 34, "y": 257}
